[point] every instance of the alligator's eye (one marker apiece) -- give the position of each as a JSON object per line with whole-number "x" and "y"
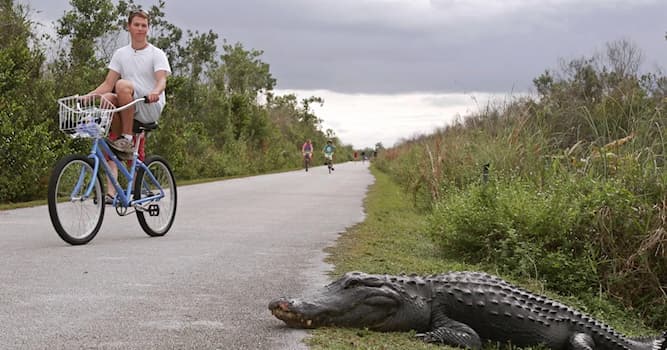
{"x": 352, "y": 283}
{"x": 370, "y": 282}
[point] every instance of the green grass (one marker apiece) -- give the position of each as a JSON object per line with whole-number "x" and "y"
{"x": 179, "y": 183}
{"x": 35, "y": 203}
{"x": 392, "y": 240}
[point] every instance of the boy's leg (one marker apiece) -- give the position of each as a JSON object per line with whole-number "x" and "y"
{"x": 142, "y": 151}
{"x": 111, "y": 190}
{"x": 115, "y": 119}
{"x": 125, "y": 94}
{"x": 115, "y": 130}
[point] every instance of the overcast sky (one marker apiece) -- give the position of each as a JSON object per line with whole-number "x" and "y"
{"x": 389, "y": 69}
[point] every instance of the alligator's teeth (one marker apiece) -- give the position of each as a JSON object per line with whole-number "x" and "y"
{"x": 309, "y": 322}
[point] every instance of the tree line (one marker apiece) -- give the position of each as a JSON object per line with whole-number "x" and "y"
{"x": 223, "y": 117}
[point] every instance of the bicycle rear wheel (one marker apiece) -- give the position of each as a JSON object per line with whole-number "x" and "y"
{"x": 158, "y": 219}
{"x": 75, "y": 217}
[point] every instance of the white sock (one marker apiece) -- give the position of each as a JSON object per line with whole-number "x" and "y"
{"x": 128, "y": 137}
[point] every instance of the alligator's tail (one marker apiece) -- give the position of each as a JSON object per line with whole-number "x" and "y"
{"x": 655, "y": 343}
{"x": 661, "y": 342}
{"x": 649, "y": 343}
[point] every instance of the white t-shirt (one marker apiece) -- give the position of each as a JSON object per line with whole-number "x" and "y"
{"x": 139, "y": 66}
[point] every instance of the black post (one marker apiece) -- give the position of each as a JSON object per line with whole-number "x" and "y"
{"x": 485, "y": 172}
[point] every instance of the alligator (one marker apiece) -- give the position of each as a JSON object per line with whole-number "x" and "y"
{"x": 462, "y": 309}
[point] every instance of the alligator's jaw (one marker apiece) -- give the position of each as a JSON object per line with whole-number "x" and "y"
{"x": 357, "y": 300}
{"x": 280, "y": 309}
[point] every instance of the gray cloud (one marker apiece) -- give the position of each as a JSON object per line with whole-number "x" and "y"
{"x": 389, "y": 46}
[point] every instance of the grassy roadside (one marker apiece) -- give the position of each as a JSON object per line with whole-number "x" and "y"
{"x": 392, "y": 240}
{"x": 179, "y": 183}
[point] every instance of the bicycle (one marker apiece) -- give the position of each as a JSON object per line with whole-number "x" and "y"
{"x": 76, "y": 196}
{"x": 329, "y": 161}
{"x": 306, "y": 160}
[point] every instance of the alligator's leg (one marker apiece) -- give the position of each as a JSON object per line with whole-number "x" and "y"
{"x": 581, "y": 341}
{"x": 450, "y": 332}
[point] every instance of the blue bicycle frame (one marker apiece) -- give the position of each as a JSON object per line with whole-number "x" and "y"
{"x": 98, "y": 152}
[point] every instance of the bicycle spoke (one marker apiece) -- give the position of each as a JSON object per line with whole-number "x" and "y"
{"x": 75, "y": 214}
{"x": 157, "y": 220}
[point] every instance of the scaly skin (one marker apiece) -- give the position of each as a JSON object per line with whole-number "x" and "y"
{"x": 461, "y": 309}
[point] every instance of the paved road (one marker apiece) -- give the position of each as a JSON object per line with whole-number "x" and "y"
{"x": 235, "y": 245}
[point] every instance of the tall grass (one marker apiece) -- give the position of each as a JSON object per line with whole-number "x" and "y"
{"x": 576, "y": 188}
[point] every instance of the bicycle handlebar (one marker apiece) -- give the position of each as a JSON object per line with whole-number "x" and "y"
{"x": 124, "y": 107}
{"x": 140, "y": 99}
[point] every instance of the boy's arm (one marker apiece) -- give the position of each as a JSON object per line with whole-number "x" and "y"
{"x": 160, "y": 85}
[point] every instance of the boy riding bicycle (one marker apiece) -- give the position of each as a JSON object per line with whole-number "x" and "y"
{"x": 136, "y": 70}
{"x": 307, "y": 152}
{"x": 329, "y": 150}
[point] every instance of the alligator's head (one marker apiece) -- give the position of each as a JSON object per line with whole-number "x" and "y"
{"x": 359, "y": 300}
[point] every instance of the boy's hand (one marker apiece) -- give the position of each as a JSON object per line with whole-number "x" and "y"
{"x": 153, "y": 97}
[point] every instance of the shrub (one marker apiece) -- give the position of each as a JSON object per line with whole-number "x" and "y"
{"x": 522, "y": 231}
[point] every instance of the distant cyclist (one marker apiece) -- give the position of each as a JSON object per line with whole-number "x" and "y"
{"x": 329, "y": 150}
{"x": 307, "y": 152}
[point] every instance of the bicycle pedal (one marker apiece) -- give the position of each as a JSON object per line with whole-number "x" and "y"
{"x": 153, "y": 210}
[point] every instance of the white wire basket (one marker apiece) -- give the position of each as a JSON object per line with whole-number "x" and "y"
{"x": 85, "y": 116}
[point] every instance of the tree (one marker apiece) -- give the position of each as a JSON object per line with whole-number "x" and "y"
{"x": 26, "y": 109}
{"x": 624, "y": 58}
{"x": 84, "y": 33}
{"x": 544, "y": 84}
{"x": 83, "y": 26}
{"x": 197, "y": 56}
{"x": 306, "y": 115}
{"x": 243, "y": 72}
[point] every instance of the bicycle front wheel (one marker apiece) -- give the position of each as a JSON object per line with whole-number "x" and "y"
{"x": 76, "y": 217}
{"x": 159, "y": 217}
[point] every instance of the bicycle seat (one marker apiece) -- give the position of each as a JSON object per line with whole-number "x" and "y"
{"x": 139, "y": 126}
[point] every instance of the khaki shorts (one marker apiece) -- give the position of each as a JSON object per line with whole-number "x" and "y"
{"x": 148, "y": 112}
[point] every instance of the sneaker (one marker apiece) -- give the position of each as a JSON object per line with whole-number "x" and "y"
{"x": 108, "y": 199}
{"x": 123, "y": 147}
{"x": 122, "y": 144}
